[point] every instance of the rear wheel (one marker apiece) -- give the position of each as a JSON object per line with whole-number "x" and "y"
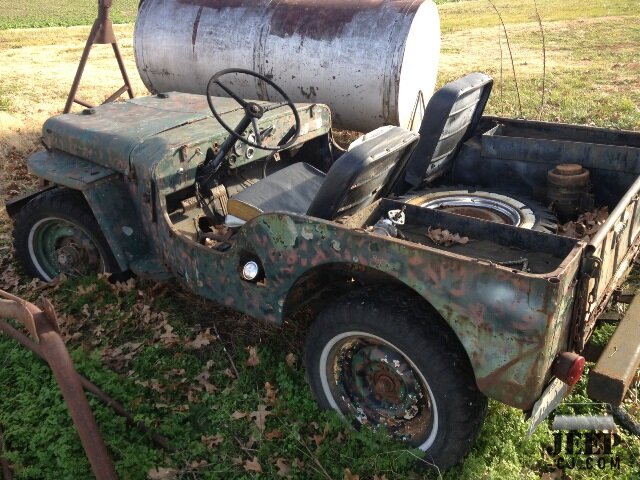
{"x": 389, "y": 361}
{"x": 56, "y": 233}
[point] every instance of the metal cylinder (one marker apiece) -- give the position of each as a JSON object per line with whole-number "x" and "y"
{"x": 374, "y": 62}
{"x": 568, "y": 187}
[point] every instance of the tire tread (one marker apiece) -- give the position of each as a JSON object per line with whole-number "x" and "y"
{"x": 62, "y": 201}
{"x": 415, "y": 319}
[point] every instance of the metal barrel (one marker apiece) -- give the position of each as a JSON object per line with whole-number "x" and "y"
{"x": 374, "y": 62}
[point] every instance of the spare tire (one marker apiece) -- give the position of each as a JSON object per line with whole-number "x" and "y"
{"x": 492, "y": 206}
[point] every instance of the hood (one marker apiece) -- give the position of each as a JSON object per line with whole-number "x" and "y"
{"x": 107, "y": 134}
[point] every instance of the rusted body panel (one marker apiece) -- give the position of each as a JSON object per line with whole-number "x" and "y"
{"x": 512, "y": 323}
{"x": 608, "y": 260}
{"x": 101, "y": 153}
{"x": 63, "y": 169}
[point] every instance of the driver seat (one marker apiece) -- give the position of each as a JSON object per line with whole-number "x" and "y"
{"x": 362, "y": 174}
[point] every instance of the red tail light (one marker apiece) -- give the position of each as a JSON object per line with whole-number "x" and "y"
{"x": 568, "y": 367}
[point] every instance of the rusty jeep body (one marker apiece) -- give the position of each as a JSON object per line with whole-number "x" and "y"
{"x": 414, "y": 331}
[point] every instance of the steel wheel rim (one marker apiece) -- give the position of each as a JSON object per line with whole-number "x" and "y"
{"x": 407, "y": 410}
{"x": 59, "y": 246}
{"x": 478, "y": 207}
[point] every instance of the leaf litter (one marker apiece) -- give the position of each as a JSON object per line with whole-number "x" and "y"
{"x": 445, "y": 238}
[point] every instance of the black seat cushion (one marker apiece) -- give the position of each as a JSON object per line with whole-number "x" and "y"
{"x": 291, "y": 190}
{"x": 449, "y": 119}
{"x": 358, "y": 177}
{"x": 364, "y": 173}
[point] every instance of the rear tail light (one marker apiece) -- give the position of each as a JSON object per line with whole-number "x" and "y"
{"x": 568, "y": 367}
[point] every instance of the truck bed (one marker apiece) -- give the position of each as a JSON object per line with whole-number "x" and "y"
{"x": 515, "y": 155}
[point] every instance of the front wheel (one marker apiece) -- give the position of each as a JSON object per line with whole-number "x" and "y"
{"x": 389, "y": 361}
{"x": 56, "y": 233}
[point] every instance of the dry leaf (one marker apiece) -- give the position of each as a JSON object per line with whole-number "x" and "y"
{"x": 253, "y": 465}
{"x": 86, "y": 290}
{"x": 202, "y": 339}
{"x": 153, "y": 384}
{"x": 273, "y": 434}
{"x": 251, "y": 442}
{"x": 9, "y": 279}
{"x": 237, "y": 415}
{"x": 123, "y": 287}
{"x": 271, "y": 393}
{"x": 586, "y": 225}
{"x": 350, "y": 476}
{"x": 284, "y": 467}
{"x": 167, "y": 337}
{"x": 198, "y": 464}
{"x": 237, "y": 460}
{"x": 162, "y": 473}
{"x": 260, "y": 417}
{"x": 299, "y": 464}
{"x": 192, "y": 396}
{"x": 203, "y": 380}
{"x": 253, "y": 359}
{"x": 318, "y": 439}
{"x": 212, "y": 441}
{"x": 377, "y": 477}
{"x": 445, "y": 237}
{"x": 119, "y": 357}
{"x": 290, "y": 360}
{"x": 556, "y": 474}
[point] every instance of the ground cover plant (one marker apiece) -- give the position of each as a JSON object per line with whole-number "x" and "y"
{"x": 230, "y": 393}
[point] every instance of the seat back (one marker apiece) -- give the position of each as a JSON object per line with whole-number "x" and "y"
{"x": 363, "y": 173}
{"x": 449, "y": 119}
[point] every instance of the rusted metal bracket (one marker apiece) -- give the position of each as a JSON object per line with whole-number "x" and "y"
{"x": 624, "y": 296}
{"x": 32, "y": 318}
{"x": 43, "y": 326}
{"x": 101, "y": 33}
{"x": 618, "y": 363}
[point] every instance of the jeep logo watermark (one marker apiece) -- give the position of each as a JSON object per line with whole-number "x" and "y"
{"x": 584, "y": 443}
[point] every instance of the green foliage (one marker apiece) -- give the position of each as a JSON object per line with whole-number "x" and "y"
{"x": 157, "y": 385}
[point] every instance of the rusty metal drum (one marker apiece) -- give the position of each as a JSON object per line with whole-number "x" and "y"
{"x": 374, "y": 62}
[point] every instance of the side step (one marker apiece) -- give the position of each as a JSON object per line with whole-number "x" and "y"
{"x": 618, "y": 363}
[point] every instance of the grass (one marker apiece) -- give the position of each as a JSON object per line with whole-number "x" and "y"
{"x": 465, "y": 15}
{"x": 592, "y": 67}
{"x": 62, "y": 13}
{"x": 592, "y": 63}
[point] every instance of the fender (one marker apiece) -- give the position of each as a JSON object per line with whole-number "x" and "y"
{"x": 107, "y": 195}
{"x": 14, "y": 205}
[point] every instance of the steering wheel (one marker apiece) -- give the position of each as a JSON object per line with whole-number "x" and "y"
{"x": 252, "y": 113}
